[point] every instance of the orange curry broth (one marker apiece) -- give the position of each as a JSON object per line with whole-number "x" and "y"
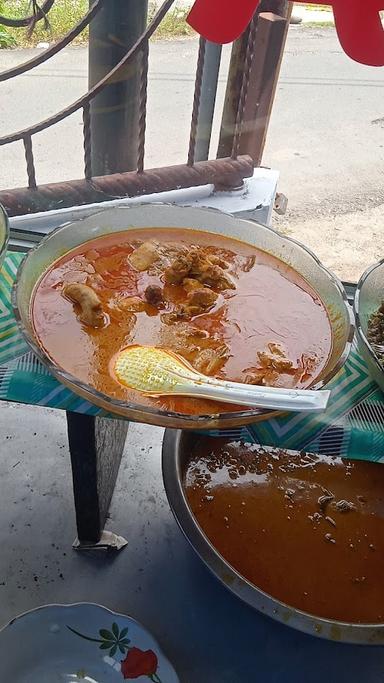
{"x": 271, "y": 303}
{"x": 306, "y": 529}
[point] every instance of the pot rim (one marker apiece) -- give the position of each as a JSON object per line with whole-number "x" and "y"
{"x": 329, "y": 629}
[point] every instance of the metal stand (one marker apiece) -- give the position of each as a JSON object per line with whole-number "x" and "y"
{"x": 96, "y": 446}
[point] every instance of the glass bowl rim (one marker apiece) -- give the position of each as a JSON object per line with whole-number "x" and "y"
{"x": 357, "y": 309}
{"x": 125, "y": 406}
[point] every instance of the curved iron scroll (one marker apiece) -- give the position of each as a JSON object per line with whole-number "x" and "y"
{"x": 56, "y": 47}
{"x": 114, "y": 74}
{"x": 41, "y": 13}
{"x": 223, "y": 173}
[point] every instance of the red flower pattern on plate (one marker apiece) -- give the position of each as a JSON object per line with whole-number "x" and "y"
{"x": 139, "y": 663}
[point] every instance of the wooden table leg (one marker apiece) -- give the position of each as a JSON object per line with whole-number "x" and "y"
{"x": 96, "y": 445}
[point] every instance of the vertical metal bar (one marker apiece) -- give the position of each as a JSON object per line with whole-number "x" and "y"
{"x": 264, "y": 74}
{"x": 30, "y": 162}
{"x": 244, "y": 86}
{"x": 143, "y": 108}
{"x": 235, "y": 78}
{"x": 115, "y": 111}
{"x": 87, "y": 141}
{"x": 196, "y": 101}
{"x": 232, "y": 96}
{"x": 283, "y": 8}
{"x": 209, "y": 85}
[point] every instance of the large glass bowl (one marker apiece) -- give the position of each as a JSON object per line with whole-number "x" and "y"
{"x": 4, "y": 234}
{"x": 115, "y": 220}
{"x": 369, "y": 296}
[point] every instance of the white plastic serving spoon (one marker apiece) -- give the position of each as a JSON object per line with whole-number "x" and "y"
{"x": 157, "y": 372}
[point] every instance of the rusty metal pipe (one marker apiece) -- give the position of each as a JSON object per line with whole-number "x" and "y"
{"x": 225, "y": 172}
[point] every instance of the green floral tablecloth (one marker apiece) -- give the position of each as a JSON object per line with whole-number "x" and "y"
{"x": 353, "y": 425}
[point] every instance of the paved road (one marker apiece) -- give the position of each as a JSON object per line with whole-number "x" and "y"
{"x": 327, "y": 139}
{"x": 326, "y": 135}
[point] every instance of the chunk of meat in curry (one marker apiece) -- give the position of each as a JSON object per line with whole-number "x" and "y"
{"x": 271, "y": 364}
{"x": 145, "y": 256}
{"x": 91, "y": 311}
{"x": 154, "y": 295}
{"x": 201, "y": 266}
{"x": 207, "y": 355}
{"x": 199, "y": 300}
{"x": 210, "y": 361}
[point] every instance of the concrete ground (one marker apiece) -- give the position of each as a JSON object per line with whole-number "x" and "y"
{"x": 207, "y": 633}
{"x": 37, "y": 563}
{"x": 327, "y": 140}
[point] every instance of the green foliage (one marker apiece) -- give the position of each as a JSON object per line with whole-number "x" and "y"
{"x": 62, "y": 17}
{"x": 174, "y": 24}
{"x": 66, "y": 13}
{"x": 6, "y": 39}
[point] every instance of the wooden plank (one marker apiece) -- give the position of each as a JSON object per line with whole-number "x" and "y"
{"x": 96, "y": 446}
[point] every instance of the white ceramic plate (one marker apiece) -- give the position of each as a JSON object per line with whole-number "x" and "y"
{"x": 82, "y": 642}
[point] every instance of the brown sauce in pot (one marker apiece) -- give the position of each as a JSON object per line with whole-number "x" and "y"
{"x": 306, "y": 529}
{"x": 270, "y": 307}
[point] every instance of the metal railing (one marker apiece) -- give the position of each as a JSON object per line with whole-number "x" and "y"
{"x": 252, "y": 78}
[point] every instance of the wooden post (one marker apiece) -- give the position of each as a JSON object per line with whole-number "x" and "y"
{"x": 96, "y": 445}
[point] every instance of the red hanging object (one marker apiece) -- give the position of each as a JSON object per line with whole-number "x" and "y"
{"x": 221, "y": 21}
{"x": 358, "y": 24}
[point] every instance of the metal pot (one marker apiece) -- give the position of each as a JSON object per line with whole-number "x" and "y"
{"x": 177, "y": 446}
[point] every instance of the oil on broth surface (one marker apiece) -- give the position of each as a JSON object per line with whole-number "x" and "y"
{"x": 271, "y": 304}
{"x": 306, "y": 529}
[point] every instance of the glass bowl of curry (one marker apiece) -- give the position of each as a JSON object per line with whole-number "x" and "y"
{"x": 238, "y": 300}
{"x": 369, "y": 315}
